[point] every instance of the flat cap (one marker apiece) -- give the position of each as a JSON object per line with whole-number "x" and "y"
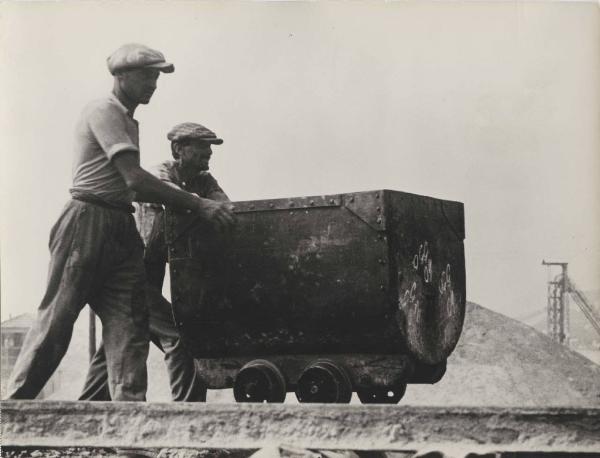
{"x": 191, "y": 130}
{"x": 134, "y": 55}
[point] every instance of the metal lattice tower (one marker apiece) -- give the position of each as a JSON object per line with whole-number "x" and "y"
{"x": 558, "y": 306}
{"x": 590, "y": 312}
{"x": 559, "y": 289}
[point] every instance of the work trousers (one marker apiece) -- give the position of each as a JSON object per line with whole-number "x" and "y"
{"x": 96, "y": 258}
{"x": 186, "y": 383}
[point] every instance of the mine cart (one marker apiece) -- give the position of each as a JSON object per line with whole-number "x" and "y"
{"x": 325, "y": 295}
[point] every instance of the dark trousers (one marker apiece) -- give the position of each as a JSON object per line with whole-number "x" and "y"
{"x": 186, "y": 383}
{"x": 96, "y": 258}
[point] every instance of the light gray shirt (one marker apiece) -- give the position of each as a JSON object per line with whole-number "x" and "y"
{"x": 105, "y": 129}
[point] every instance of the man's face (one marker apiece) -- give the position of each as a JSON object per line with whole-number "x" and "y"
{"x": 195, "y": 155}
{"x": 139, "y": 84}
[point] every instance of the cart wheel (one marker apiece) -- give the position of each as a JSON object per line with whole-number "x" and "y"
{"x": 381, "y": 395}
{"x": 326, "y": 382}
{"x": 259, "y": 381}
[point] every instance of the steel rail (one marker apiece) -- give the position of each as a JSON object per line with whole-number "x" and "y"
{"x": 315, "y": 426}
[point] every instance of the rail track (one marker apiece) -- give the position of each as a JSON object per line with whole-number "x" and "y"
{"x": 48, "y": 424}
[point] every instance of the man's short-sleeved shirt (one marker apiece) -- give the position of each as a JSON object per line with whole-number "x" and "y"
{"x": 105, "y": 129}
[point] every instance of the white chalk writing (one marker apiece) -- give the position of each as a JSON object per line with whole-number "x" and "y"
{"x": 409, "y": 297}
{"x": 445, "y": 280}
{"x": 422, "y": 259}
{"x": 422, "y": 263}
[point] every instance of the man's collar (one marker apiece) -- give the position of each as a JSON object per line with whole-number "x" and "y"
{"x": 117, "y": 102}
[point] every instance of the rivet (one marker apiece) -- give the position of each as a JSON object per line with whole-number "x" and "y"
{"x": 376, "y": 195}
{"x": 312, "y": 202}
{"x": 382, "y": 288}
{"x": 332, "y": 201}
{"x": 378, "y": 220}
{"x": 378, "y": 209}
{"x": 252, "y": 207}
{"x": 352, "y": 199}
{"x": 271, "y": 205}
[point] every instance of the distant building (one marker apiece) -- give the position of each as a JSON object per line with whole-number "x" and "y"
{"x": 12, "y": 333}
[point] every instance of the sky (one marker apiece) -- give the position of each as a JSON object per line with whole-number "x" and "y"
{"x": 496, "y": 105}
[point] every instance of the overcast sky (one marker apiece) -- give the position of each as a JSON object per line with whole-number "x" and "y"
{"x": 494, "y": 105}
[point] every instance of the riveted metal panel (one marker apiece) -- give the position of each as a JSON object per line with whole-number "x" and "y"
{"x": 369, "y": 207}
{"x": 295, "y": 275}
{"x": 292, "y": 203}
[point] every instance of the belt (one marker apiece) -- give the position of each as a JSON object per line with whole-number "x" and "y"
{"x": 90, "y": 199}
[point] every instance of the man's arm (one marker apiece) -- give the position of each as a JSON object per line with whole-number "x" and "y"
{"x": 148, "y": 188}
{"x": 219, "y": 196}
{"x": 214, "y": 190}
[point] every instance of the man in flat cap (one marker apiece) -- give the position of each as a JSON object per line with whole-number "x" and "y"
{"x": 96, "y": 250}
{"x": 191, "y": 149}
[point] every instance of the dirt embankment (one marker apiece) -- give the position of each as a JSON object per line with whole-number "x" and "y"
{"x": 503, "y": 362}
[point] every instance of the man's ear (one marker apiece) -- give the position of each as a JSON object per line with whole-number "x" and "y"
{"x": 175, "y": 149}
{"x": 119, "y": 76}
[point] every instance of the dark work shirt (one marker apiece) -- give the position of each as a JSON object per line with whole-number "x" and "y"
{"x": 150, "y": 217}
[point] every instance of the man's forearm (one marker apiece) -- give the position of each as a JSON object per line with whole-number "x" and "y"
{"x": 148, "y": 188}
{"x": 219, "y": 196}
{"x": 147, "y": 198}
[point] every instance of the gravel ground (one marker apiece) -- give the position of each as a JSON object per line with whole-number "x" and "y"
{"x": 17, "y": 452}
{"x": 75, "y": 452}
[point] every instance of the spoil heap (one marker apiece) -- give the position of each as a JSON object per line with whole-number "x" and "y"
{"x": 503, "y": 362}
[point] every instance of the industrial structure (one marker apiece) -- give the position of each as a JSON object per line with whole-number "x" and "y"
{"x": 560, "y": 288}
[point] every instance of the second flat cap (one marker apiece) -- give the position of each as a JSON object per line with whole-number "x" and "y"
{"x": 193, "y": 131}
